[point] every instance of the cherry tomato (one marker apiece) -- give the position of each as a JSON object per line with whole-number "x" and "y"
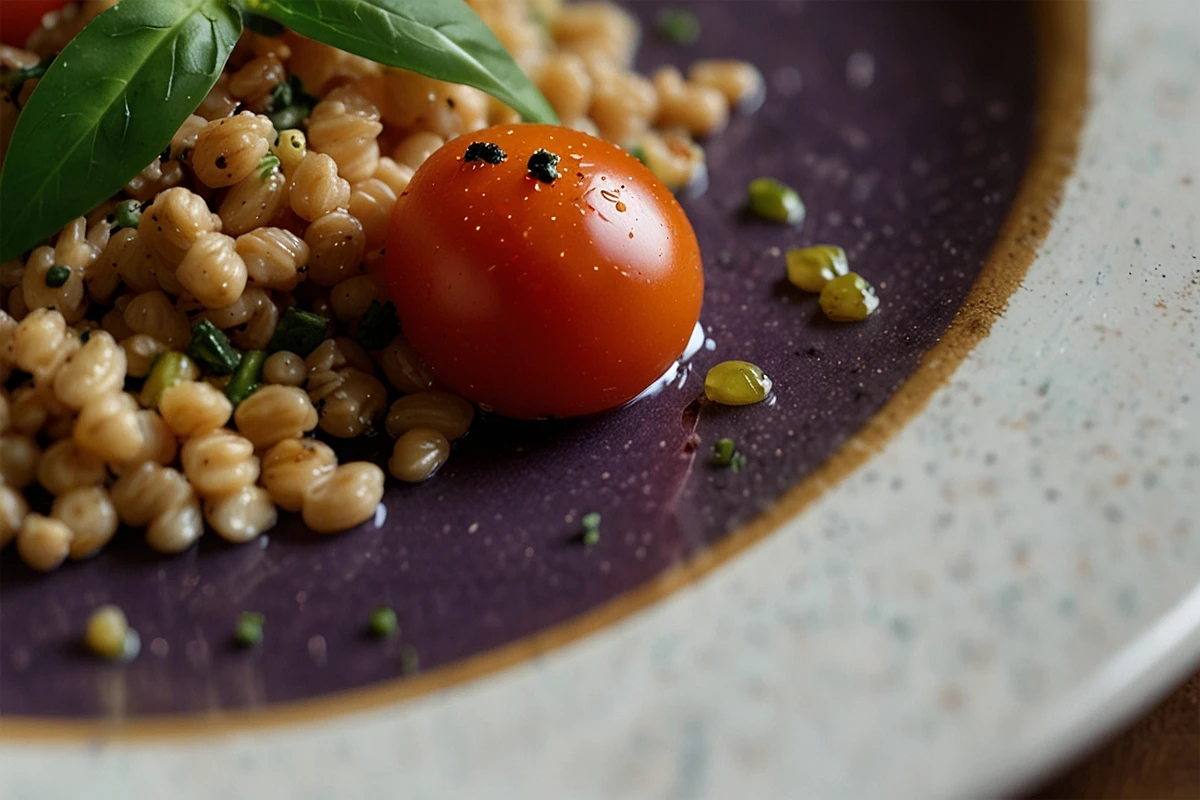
{"x": 19, "y": 18}
{"x": 543, "y": 298}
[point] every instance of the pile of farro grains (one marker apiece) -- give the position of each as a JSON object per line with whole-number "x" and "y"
{"x": 191, "y": 359}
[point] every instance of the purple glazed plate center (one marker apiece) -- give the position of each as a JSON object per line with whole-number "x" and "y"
{"x": 905, "y": 126}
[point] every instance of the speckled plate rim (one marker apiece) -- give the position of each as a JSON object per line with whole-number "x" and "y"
{"x": 1062, "y": 30}
{"x": 1140, "y": 674}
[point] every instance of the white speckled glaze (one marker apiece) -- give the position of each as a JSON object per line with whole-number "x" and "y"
{"x": 1013, "y": 576}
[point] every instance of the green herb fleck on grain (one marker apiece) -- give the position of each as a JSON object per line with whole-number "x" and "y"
{"x": 269, "y": 163}
{"x": 298, "y": 332}
{"x": 210, "y": 348}
{"x": 247, "y": 378}
{"x": 128, "y": 214}
{"x": 57, "y": 275}
{"x": 378, "y": 326}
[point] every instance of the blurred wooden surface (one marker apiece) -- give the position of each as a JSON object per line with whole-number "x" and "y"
{"x": 1157, "y": 758}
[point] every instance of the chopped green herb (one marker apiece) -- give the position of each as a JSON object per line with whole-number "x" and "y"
{"x": 269, "y": 163}
{"x": 290, "y": 104}
{"x": 298, "y": 332}
{"x": 249, "y": 628}
{"x": 57, "y": 275}
{"x": 638, "y": 152}
{"x": 678, "y": 27}
{"x": 410, "y": 660}
{"x": 378, "y": 326}
{"x": 167, "y": 369}
{"x": 383, "y": 622}
{"x": 775, "y": 201}
{"x": 543, "y": 165}
{"x": 281, "y": 97}
{"x": 289, "y": 117}
{"x": 723, "y": 452}
{"x": 261, "y": 25}
{"x": 210, "y": 348}
{"x": 591, "y": 527}
{"x": 128, "y": 214}
{"x": 484, "y": 151}
{"x": 247, "y": 378}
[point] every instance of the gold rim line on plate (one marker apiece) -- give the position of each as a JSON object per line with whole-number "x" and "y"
{"x": 1062, "y": 28}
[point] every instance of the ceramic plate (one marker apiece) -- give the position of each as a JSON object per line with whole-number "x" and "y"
{"x": 964, "y": 543}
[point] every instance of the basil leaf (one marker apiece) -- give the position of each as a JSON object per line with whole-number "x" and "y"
{"x": 441, "y": 39}
{"x": 106, "y": 108}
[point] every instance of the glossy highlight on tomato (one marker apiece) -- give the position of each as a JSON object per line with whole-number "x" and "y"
{"x": 536, "y": 298}
{"x": 19, "y": 18}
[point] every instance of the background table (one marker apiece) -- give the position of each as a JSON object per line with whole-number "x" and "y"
{"x": 1157, "y": 758}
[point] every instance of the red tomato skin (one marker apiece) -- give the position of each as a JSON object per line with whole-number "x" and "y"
{"x": 543, "y": 299}
{"x": 19, "y": 18}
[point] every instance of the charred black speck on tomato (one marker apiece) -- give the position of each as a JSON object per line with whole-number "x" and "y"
{"x": 543, "y": 165}
{"x": 544, "y": 299}
{"x": 489, "y": 152}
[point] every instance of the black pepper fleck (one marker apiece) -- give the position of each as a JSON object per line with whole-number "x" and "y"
{"x": 484, "y": 151}
{"x": 543, "y": 165}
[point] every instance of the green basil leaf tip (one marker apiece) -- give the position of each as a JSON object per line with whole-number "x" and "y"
{"x": 106, "y": 107}
{"x": 442, "y": 39}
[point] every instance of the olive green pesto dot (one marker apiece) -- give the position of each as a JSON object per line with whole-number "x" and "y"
{"x": 810, "y": 268}
{"x": 383, "y": 622}
{"x": 723, "y": 452}
{"x": 775, "y": 201}
{"x": 736, "y": 383}
{"x": 248, "y": 631}
{"x": 591, "y": 527}
{"x": 108, "y": 634}
{"x": 848, "y": 298}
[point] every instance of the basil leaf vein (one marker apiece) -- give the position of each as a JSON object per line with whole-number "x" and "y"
{"x": 106, "y": 108}
{"x": 441, "y": 39}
